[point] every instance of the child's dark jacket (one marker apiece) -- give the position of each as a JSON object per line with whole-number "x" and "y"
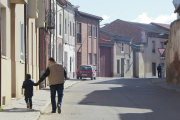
{"x": 28, "y": 86}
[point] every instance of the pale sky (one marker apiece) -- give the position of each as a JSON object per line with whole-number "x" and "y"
{"x": 144, "y": 11}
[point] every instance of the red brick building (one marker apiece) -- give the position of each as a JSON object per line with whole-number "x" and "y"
{"x": 114, "y": 54}
{"x": 87, "y": 39}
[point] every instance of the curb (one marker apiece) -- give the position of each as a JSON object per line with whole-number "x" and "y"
{"x": 49, "y": 100}
{"x": 165, "y": 87}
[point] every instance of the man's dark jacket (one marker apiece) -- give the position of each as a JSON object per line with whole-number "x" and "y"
{"x": 159, "y": 68}
{"x": 28, "y": 86}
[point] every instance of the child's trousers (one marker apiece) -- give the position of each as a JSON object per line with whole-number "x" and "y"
{"x": 29, "y": 100}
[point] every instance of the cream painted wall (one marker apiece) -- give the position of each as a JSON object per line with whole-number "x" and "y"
{"x": 146, "y": 58}
{"x": 32, "y": 50}
{"x": 127, "y": 73}
{"x": 13, "y": 70}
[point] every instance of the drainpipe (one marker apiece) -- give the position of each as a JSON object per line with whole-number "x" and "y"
{"x": 56, "y": 31}
{"x": 0, "y": 55}
{"x": 63, "y": 36}
{"x": 75, "y": 35}
{"x": 98, "y": 51}
{"x": 25, "y": 23}
{"x": 50, "y": 29}
{"x": 53, "y": 32}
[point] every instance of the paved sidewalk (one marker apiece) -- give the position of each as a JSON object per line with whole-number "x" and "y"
{"x": 41, "y": 99}
{"x": 162, "y": 83}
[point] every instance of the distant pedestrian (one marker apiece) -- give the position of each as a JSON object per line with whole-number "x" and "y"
{"x": 56, "y": 76}
{"x": 28, "y": 86}
{"x": 159, "y": 71}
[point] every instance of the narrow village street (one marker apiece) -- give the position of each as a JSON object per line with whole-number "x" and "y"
{"x": 117, "y": 99}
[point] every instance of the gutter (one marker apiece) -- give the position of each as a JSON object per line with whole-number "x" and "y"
{"x": 56, "y": 31}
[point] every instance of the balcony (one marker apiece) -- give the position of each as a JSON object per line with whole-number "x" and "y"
{"x": 40, "y": 21}
{"x": 32, "y": 11}
{"x": 50, "y": 18}
{"x": 19, "y": 1}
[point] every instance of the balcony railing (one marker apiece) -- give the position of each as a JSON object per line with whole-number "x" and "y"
{"x": 18, "y": 1}
{"x": 50, "y": 19}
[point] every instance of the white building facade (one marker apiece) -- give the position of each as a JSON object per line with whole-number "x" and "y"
{"x": 69, "y": 40}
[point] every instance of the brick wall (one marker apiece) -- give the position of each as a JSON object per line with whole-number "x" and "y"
{"x": 88, "y": 44}
{"x": 44, "y": 49}
{"x": 125, "y": 29}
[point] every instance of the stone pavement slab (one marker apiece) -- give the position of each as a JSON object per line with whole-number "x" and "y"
{"x": 41, "y": 99}
{"x": 162, "y": 83}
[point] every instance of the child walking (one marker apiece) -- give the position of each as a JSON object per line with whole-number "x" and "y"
{"x": 28, "y": 86}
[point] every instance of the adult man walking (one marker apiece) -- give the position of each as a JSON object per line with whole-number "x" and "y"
{"x": 56, "y": 76}
{"x": 159, "y": 71}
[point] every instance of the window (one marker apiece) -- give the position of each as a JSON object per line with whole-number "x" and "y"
{"x": 60, "y": 24}
{"x": 70, "y": 29}
{"x": 65, "y": 27}
{"x": 90, "y": 59}
{"x": 153, "y": 69}
{"x": 95, "y": 32}
{"x": 73, "y": 30}
{"x": 153, "y": 47}
{"x": 85, "y": 68}
{"x": 90, "y": 30}
{"x": 78, "y": 32}
{"x": 118, "y": 61}
{"x": 22, "y": 41}
{"x": 95, "y": 59}
{"x": 122, "y": 46}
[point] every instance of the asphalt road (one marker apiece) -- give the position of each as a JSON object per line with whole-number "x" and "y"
{"x": 117, "y": 99}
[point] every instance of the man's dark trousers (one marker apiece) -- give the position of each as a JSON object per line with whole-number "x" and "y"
{"x": 59, "y": 88}
{"x": 159, "y": 74}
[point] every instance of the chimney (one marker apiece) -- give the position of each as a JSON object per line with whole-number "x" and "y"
{"x": 176, "y": 4}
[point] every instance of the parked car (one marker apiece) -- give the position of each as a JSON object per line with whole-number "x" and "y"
{"x": 86, "y": 71}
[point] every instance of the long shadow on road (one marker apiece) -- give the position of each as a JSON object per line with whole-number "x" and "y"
{"x": 136, "y": 99}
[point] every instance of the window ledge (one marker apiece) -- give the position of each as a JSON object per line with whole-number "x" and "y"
{"x": 4, "y": 57}
{"x": 122, "y": 51}
{"x": 22, "y": 62}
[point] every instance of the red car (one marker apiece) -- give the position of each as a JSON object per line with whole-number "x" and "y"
{"x": 86, "y": 71}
